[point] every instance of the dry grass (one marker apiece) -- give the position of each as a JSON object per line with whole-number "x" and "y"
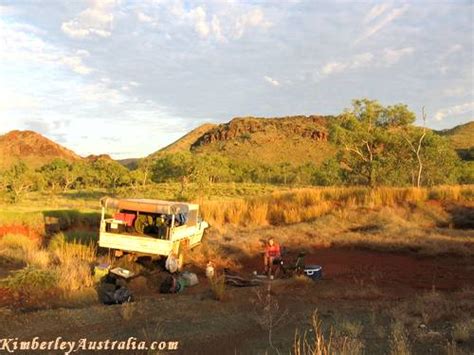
{"x": 317, "y": 343}
{"x": 303, "y": 205}
{"x": 399, "y": 344}
{"x": 351, "y": 329}
{"x": 212, "y": 250}
{"x": 127, "y": 310}
{"x": 31, "y": 287}
{"x": 62, "y": 268}
{"x": 218, "y": 287}
{"x": 463, "y": 330}
{"x": 23, "y": 249}
{"x": 67, "y": 252}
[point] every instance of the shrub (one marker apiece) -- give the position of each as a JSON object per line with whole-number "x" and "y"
{"x": 32, "y": 279}
{"x": 31, "y": 287}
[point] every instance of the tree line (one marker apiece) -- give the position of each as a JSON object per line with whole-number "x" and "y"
{"x": 377, "y": 145}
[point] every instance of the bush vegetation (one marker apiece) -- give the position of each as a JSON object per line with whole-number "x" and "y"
{"x": 375, "y": 146}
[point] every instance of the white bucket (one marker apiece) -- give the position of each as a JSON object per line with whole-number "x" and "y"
{"x": 210, "y": 272}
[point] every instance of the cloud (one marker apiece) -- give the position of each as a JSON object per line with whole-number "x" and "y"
{"x": 220, "y": 23}
{"x": 198, "y": 16}
{"x": 271, "y": 81}
{"x": 392, "y": 56}
{"x": 147, "y": 19}
{"x": 375, "y": 12}
{"x": 446, "y": 54}
{"x": 216, "y": 29}
{"x": 333, "y": 68}
{"x": 142, "y": 17}
{"x": 456, "y": 91}
{"x": 100, "y": 92}
{"x": 10, "y": 100}
{"x": 253, "y": 18}
{"x": 385, "y": 21}
{"x": 6, "y": 10}
{"x": 385, "y": 58}
{"x": 22, "y": 44}
{"x": 357, "y": 61}
{"x": 96, "y": 20}
{"x": 39, "y": 126}
{"x": 454, "y": 110}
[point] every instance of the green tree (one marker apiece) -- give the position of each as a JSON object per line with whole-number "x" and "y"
{"x": 172, "y": 167}
{"x": 365, "y": 132}
{"x": 60, "y": 174}
{"x": 19, "y": 180}
{"x": 466, "y": 172}
{"x": 328, "y": 174}
{"x": 108, "y": 174}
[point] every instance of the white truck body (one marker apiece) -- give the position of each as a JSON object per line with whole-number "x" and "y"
{"x": 189, "y": 234}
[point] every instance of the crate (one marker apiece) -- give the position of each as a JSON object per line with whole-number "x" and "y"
{"x": 314, "y": 272}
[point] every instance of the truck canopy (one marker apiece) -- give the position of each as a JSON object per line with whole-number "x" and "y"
{"x": 148, "y": 206}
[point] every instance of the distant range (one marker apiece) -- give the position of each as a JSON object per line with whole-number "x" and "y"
{"x": 295, "y": 139}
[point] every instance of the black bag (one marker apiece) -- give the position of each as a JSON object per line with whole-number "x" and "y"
{"x": 118, "y": 296}
{"x": 167, "y": 285}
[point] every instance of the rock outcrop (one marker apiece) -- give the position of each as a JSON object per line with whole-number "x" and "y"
{"x": 312, "y": 127}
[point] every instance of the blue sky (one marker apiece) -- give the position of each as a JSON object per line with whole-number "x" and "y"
{"x": 126, "y": 78}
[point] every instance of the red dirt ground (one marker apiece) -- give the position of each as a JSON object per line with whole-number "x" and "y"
{"x": 401, "y": 272}
{"x": 18, "y": 229}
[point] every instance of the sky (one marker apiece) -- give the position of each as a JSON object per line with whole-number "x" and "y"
{"x": 126, "y": 78}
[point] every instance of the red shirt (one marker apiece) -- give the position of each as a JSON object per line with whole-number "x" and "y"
{"x": 272, "y": 251}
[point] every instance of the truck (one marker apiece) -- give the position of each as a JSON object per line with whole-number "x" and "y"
{"x": 150, "y": 227}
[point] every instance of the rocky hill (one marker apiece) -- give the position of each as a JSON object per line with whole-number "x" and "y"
{"x": 462, "y": 139}
{"x": 294, "y": 140}
{"x": 185, "y": 143}
{"x": 462, "y": 136}
{"x": 31, "y": 147}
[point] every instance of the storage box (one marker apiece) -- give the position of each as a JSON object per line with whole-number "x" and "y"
{"x": 100, "y": 271}
{"x": 314, "y": 272}
{"x": 126, "y": 274}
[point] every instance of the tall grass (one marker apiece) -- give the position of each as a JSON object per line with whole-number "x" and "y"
{"x": 49, "y": 273}
{"x": 22, "y": 249}
{"x": 316, "y": 342}
{"x": 304, "y": 205}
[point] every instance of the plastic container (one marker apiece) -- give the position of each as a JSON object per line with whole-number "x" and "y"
{"x": 101, "y": 271}
{"x": 314, "y": 272}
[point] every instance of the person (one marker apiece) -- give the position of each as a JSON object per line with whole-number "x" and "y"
{"x": 271, "y": 256}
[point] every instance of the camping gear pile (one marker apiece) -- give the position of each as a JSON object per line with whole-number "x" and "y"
{"x": 288, "y": 268}
{"x": 112, "y": 289}
{"x": 113, "y": 283}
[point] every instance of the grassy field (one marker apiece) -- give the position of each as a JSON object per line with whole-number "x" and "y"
{"x": 48, "y": 249}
